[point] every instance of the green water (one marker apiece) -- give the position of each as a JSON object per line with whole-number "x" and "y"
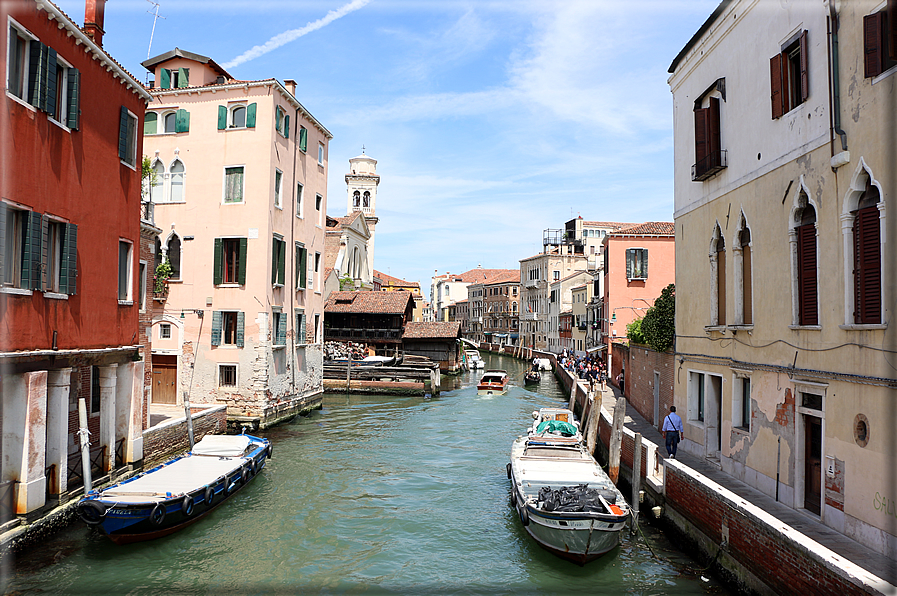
{"x": 369, "y": 495}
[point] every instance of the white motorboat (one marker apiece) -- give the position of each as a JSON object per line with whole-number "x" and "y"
{"x": 493, "y": 382}
{"x": 554, "y": 426}
{"x": 474, "y": 361}
{"x": 564, "y": 499}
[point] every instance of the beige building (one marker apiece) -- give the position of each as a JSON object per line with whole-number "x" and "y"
{"x": 347, "y": 241}
{"x": 501, "y": 308}
{"x": 240, "y": 193}
{"x": 580, "y": 297}
{"x": 785, "y": 255}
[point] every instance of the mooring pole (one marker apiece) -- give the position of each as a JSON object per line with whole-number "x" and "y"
{"x": 636, "y": 481}
{"x": 348, "y": 370}
{"x": 594, "y": 421}
{"x": 85, "y": 445}
{"x": 616, "y": 440}
{"x": 778, "y": 463}
{"x": 189, "y": 416}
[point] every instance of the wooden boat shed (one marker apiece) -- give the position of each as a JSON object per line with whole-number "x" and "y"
{"x": 439, "y": 341}
{"x": 374, "y": 318}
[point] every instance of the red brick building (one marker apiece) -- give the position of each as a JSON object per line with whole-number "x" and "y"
{"x": 72, "y": 284}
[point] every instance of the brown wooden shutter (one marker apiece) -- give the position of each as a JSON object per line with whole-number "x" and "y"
{"x": 776, "y": 64}
{"x": 873, "y": 57}
{"x": 867, "y": 271}
{"x": 713, "y": 140}
{"x": 721, "y": 287}
{"x": 806, "y": 275}
{"x": 891, "y": 20}
{"x": 804, "y": 67}
{"x": 701, "y": 136}
{"x": 748, "y": 294}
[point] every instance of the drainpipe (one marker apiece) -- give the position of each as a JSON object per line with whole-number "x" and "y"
{"x": 291, "y": 86}
{"x": 835, "y": 91}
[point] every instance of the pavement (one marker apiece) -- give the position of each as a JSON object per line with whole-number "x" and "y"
{"x": 160, "y": 413}
{"x": 802, "y": 521}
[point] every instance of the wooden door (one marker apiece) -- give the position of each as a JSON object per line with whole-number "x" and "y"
{"x": 165, "y": 381}
{"x": 812, "y": 463}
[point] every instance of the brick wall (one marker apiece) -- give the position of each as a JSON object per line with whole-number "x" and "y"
{"x": 643, "y": 362}
{"x": 168, "y": 439}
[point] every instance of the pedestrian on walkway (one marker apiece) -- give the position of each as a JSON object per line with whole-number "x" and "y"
{"x": 603, "y": 379}
{"x": 672, "y": 429}
{"x": 620, "y": 381}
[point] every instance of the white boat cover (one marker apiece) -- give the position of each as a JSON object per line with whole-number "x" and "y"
{"x": 222, "y": 445}
{"x": 177, "y": 478}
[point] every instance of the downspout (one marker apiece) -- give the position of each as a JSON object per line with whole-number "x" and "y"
{"x": 292, "y": 248}
{"x": 835, "y": 68}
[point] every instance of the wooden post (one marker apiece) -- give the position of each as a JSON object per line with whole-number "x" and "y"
{"x": 572, "y": 406}
{"x": 616, "y": 439}
{"x": 85, "y": 445}
{"x": 434, "y": 384}
{"x": 348, "y": 370}
{"x": 189, "y": 416}
{"x": 636, "y": 481}
{"x": 594, "y": 421}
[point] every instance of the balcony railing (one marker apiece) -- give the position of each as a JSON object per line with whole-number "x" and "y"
{"x": 356, "y": 334}
{"x": 530, "y": 316}
{"x": 531, "y": 283}
{"x": 710, "y": 165}
{"x": 146, "y": 212}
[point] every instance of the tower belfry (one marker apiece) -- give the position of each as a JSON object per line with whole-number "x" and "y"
{"x": 362, "y": 181}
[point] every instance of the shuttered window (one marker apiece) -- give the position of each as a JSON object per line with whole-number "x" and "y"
{"x": 150, "y": 123}
{"x": 790, "y": 76}
{"x": 301, "y": 266}
{"x": 747, "y": 290}
{"x": 880, "y": 40}
{"x": 636, "y": 263}
{"x": 299, "y": 332}
{"x": 867, "y": 265}
{"x": 279, "y": 328}
{"x": 303, "y": 139}
{"x": 708, "y": 146}
{"x": 806, "y": 275}
{"x": 127, "y": 137}
{"x": 278, "y": 261}
{"x": 228, "y": 328}
{"x": 229, "y": 261}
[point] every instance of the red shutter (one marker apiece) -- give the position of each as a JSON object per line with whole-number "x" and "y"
{"x": 804, "y": 67}
{"x": 806, "y": 275}
{"x": 867, "y": 272}
{"x": 713, "y": 138}
{"x": 775, "y": 83}
{"x": 701, "y": 135}
{"x": 872, "y": 44}
{"x": 892, "y": 29}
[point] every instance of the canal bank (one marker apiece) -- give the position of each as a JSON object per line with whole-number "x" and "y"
{"x": 747, "y": 537}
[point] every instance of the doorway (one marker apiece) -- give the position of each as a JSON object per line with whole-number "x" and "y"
{"x": 165, "y": 379}
{"x": 812, "y": 463}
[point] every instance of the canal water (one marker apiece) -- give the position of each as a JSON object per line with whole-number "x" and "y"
{"x": 369, "y": 495}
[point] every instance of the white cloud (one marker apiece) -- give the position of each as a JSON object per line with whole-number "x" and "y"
{"x": 293, "y": 34}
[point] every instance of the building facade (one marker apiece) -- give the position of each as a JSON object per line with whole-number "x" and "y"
{"x": 241, "y": 184}
{"x": 346, "y": 244}
{"x": 71, "y": 279}
{"x": 560, "y": 306}
{"x": 785, "y": 254}
{"x": 501, "y": 308}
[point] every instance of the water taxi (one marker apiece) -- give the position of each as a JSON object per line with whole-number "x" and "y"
{"x": 493, "y": 382}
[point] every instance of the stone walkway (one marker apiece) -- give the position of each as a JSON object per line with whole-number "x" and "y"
{"x": 805, "y": 523}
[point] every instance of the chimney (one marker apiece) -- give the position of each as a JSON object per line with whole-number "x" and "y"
{"x": 94, "y": 11}
{"x": 291, "y": 86}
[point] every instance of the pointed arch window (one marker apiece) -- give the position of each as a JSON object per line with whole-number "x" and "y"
{"x": 174, "y": 256}
{"x": 718, "y": 278}
{"x": 367, "y": 199}
{"x": 176, "y": 181}
{"x": 867, "y": 257}
{"x": 158, "y": 182}
{"x": 744, "y": 297}
{"x": 806, "y": 248}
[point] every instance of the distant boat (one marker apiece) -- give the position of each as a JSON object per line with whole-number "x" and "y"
{"x": 177, "y": 493}
{"x": 474, "y": 361}
{"x": 493, "y": 382}
{"x": 367, "y": 361}
{"x": 532, "y": 377}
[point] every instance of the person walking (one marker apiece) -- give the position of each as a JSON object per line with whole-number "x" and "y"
{"x": 620, "y": 381}
{"x": 672, "y": 429}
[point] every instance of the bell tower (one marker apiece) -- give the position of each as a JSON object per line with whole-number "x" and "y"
{"x": 362, "y": 181}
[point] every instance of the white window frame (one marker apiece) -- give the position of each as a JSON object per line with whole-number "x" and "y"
{"x": 224, "y": 200}
{"x": 53, "y": 264}
{"x": 300, "y": 188}
{"x": 142, "y": 268}
{"x": 160, "y": 177}
{"x": 169, "y": 177}
{"x": 231, "y": 108}
{"x": 236, "y": 367}
{"x": 278, "y": 188}
{"x": 738, "y": 379}
{"x": 320, "y": 153}
{"x": 319, "y": 204}
{"x": 163, "y": 327}
{"x": 128, "y": 300}
{"x": 62, "y": 93}
{"x": 12, "y": 23}
{"x": 317, "y": 271}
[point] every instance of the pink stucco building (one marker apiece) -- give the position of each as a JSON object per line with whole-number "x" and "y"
{"x": 239, "y": 191}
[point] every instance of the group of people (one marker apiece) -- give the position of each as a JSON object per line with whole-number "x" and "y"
{"x": 589, "y": 369}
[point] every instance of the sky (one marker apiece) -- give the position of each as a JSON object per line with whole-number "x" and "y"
{"x": 490, "y": 120}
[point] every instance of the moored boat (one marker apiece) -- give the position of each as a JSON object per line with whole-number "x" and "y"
{"x": 474, "y": 361}
{"x": 493, "y": 382}
{"x": 177, "y": 493}
{"x": 554, "y": 426}
{"x": 532, "y": 377}
{"x": 564, "y": 499}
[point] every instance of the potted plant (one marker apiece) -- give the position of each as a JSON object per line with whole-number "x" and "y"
{"x": 160, "y": 279}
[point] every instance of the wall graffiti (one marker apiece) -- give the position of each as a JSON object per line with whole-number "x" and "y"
{"x": 884, "y": 504}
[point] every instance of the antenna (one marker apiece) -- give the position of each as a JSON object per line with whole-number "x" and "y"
{"x": 156, "y": 17}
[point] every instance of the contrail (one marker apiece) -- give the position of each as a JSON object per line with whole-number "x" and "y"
{"x": 288, "y": 36}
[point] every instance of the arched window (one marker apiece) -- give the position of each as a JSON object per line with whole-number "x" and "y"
{"x": 367, "y": 199}
{"x": 156, "y": 188}
{"x": 238, "y": 117}
{"x": 150, "y": 123}
{"x": 718, "y": 278}
{"x": 356, "y": 199}
{"x": 174, "y": 256}
{"x": 176, "y": 191}
{"x": 158, "y": 254}
{"x": 743, "y": 278}
{"x": 806, "y": 249}
{"x": 867, "y": 257}
{"x": 170, "y": 122}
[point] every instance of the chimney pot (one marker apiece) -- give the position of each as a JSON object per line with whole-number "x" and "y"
{"x": 94, "y": 15}
{"x": 291, "y": 86}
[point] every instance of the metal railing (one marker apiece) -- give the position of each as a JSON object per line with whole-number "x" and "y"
{"x": 361, "y": 334}
{"x": 709, "y": 165}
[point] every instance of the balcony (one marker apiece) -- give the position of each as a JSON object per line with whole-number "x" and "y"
{"x": 710, "y": 165}
{"x": 359, "y": 334}
{"x": 146, "y": 212}
{"x": 530, "y": 316}
{"x": 582, "y": 327}
{"x": 531, "y": 283}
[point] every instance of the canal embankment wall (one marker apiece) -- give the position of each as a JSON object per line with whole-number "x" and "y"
{"x": 170, "y": 438}
{"x": 743, "y": 542}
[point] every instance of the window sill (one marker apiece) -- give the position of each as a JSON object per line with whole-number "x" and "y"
{"x": 747, "y": 328}
{"x": 719, "y": 328}
{"x": 227, "y": 347}
{"x": 277, "y": 286}
{"x": 59, "y": 124}
{"x": 228, "y": 286}
{"x": 56, "y": 296}
{"x": 279, "y": 347}
{"x": 866, "y": 327}
{"x": 226, "y": 202}
{"x": 634, "y": 279}
{"x": 740, "y": 430}
{"x": 126, "y": 303}
{"x": 276, "y": 206}
{"x": 805, "y": 327}
{"x": 124, "y": 163}
{"x": 884, "y": 75}
{"x": 16, "y": 291}
{"x": 19, "y": 100}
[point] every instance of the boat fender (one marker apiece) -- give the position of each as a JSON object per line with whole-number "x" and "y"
{"x": 228, "y": 484}
{"x": 524, "y": 516}
{"x": 158, "y": 514}
{"x": 270, "y": 451}
{"x": 245, "y": 475}
{"x": 509, "y": 471}
{"x": 513, "y": 497}
{"x": 187, "y": 506}
{"x": 92, "y": 512}
{"x": 252, "y": 467}
{"x": 209, "y": 495}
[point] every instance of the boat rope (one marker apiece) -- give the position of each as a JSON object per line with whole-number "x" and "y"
{"x": 84, "y": 433}
{"x": 645, "y": 538}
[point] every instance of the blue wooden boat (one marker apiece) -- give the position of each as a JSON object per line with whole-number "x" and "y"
{"x": 177, "y": 493}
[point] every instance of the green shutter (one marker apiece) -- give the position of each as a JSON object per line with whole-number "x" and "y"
{"x": 645, "y": 263}
{"x": 182, "y": 121}
{"x": 123, "y": 134}
{"x": 303, "y": 138}
{"x": 4, "y": 213}
{"x": 45, "y": 249}
{"x": 218, "y": 268}
{"x": 69, "y": 266}
{"x": 74, "y": 96}
{"x": 250, "y": 115}
{"x": 216, "y": 327}
{"x": 241, "y": 264}
{"x": 286, "y": 126}
{"x": 149, "y": 123}
{"x": 281, "y": 338}
{"x": 166, "y": 78}
{"x": 241, "y": 321}
{"x": 274, "y": 252}
{"x": 282, "y": 263}
{"x": 37, "y": 94}
{"x": 183, "y": 77}
{"x": 31, "y": 253}
{"x": 303, "y": 267}
{"x": 628, "y": 263}
{"x": 222, "y": 117}
{"x": 52, "y": 92}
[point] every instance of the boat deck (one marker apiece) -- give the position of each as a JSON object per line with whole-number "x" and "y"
{"x": 177, "y": 478}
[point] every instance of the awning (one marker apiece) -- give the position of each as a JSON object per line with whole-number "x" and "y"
{"x": 515, "y": 336}
{"x": 596, "y": 349}
{"x": 500, "y": 334}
